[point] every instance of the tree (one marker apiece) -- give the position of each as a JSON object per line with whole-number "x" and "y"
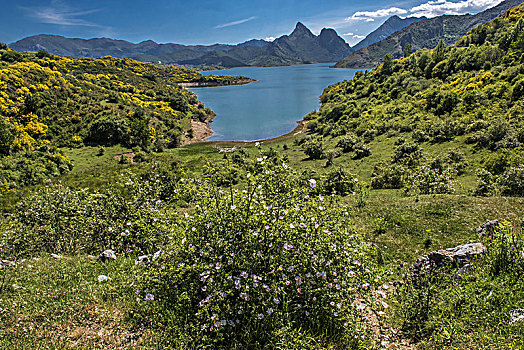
{"x": 408, "y": 48}
{"x": 440, "y": 50}
{"x": 387, "y": 67}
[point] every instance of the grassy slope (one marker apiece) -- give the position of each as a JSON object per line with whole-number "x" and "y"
{"x": 92, "y": 315}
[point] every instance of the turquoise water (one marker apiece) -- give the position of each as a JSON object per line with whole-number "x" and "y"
{"x": 272, "y": 105}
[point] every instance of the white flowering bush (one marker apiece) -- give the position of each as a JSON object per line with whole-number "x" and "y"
{"x": 128, "y": 217}
{"x": 428, "y": 180}
{"x": 248, "y": 263}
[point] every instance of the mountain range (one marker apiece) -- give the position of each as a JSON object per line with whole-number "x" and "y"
{"x": 301, "y": 46}
{"x": 423, "y": 34}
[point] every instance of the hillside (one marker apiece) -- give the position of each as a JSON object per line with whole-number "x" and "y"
{"x": 395, "y": 222}
{"x": 392, "y": 25}
{"x": 423, "y": 34}
{"x": 301, "y": 46}
{"x": 48, "y": 101}
{"x": 465, "y": 99}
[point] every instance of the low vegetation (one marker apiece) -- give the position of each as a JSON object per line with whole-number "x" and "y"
{"x": 311, "y": 240}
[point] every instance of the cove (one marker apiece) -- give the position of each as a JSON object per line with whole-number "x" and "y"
{"x": 270, "y": 106}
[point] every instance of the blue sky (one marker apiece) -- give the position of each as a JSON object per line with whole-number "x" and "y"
{"x": 211, "y": 21}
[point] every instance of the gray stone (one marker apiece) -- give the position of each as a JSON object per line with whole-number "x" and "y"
{"x": 460, "y": 255}
{"x": 142, "y": 260}
{"x": 157, "y": 255}
{"x": 487, "y": 228}
{"x": 106, "y": 255}
{"x": 7, "y": 263}
{"x": 516, "y": 315}
{"x": 463, "y": 271}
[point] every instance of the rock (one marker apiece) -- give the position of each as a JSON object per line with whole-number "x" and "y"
{"x": 91, "y": 257}
{"x": 516, "y": 315}
{"x": 463, "y": 271}
{"x": 142, "y": 260}
{"x": 487, "y": 228}
{"x": 106, "y": 255}
{"x": 103, "y": 278}
{"x": 7, "y": 263}
{"x": 56, "y": 256}
{"x": 157, "y": 255}
{"x": 459, "y": 255}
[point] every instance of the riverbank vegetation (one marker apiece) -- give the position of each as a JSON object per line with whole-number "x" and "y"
{"x": 318, "y": 239}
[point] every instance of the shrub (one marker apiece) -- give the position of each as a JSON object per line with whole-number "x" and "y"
{"x": 387, "y": 176}
{"x": 347, "y": 143}
{"x": 361, "y": 151}
{"x": 313, "y": 149}
{"x": 408, "y": 154}
{"x": 127, "y": 218}
{"x": 511, "y": 183}
{"x": 248, "y": 264}
{"x": 485, "y": 183}
{"x": 427, "y": 180}
{"x": 339, "y": 182}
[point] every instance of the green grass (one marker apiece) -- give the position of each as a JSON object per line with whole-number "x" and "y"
{"x": 59, "y": 304}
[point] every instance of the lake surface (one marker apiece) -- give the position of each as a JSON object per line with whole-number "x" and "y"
{"x": 272, "y": 105}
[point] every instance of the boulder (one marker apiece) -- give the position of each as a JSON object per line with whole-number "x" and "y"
{"x": 106, "y": 255}
{"x": 487, "y": 228}
{"x": 460, "y": 255}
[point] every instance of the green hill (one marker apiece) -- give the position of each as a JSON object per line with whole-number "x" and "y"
{"x": 421, "y": 35}
{"x": 466, "y": 98}
{"x": 50, "y": 101}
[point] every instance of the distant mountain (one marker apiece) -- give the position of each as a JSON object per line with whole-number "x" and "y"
{"x": 301, "y": 46}
{"x": 391, "y": 25}
{"x": 423, "y": 34}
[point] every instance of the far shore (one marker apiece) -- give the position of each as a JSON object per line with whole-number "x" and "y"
{"x": 198, "y": 84}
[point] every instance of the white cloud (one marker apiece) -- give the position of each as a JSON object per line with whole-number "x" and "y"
{"x": 234, "y": 23}
{"x": 61, "y": 14}
{"x": 444, "y": 7}
{"x": 270, "y": 38}
{"x": 431, "y": 8}
{"x": 354, "y": 36}
{"x": 369, "y": 16}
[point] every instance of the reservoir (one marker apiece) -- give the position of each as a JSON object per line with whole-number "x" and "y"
{"x": 270, "y": 106}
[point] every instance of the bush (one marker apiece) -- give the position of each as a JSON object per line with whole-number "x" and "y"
{"x": 347, "y": 143}
{"x": 313, "y": 149}
{"x": 485, "y": 183}
{"x": 511, "y": 183}
{"x": 387, "y": 176}
{"x": 427, "y": 180}
{"x": 247, "y": 264}
{"x": 128, "y": 218}
{"x": 408, "y": 154}
{"x": 339, "y": 182}
{"x": 361, "y": 151}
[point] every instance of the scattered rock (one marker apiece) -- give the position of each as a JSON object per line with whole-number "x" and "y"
{"x": 463, "y": 271}
{"x": 157, "y": 255}
{"x": 459, "y": 255}
{"x": 487, "y": 228}
{"x": 106, "y": 255}
{"x": 7, "y": 263}
{"x": 516, "y": 315}
{"x": 142, "y": 260}
{"x": 103, "y": 278}
{"x": 56, "y": 256}
{"x": 91, "y": 257}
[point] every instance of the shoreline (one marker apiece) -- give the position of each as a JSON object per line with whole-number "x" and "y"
{"x": 299, "y": 129}
{"x": 199, "y": 84}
